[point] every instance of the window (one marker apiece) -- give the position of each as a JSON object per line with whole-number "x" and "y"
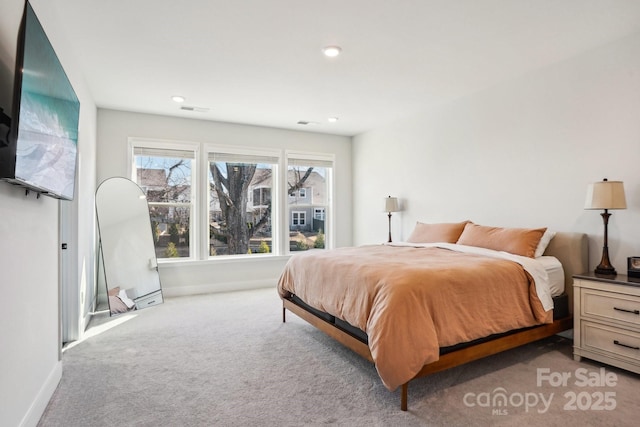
{"x": 165, "y": 176}
{"x": 240, "y": 224}
{"x": 261, "y": 196}
{"x": 208, "y": 201}
{"x": 308, "y": 178}
{"x": 298, "y": 218}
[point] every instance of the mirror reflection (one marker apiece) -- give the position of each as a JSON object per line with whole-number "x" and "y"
{"x": 126, "y": 246}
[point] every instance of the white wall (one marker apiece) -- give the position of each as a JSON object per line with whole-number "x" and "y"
{"x": 519, "y": 154}
{"x": 30, "y": 368}
{"x": 114, "y": 129}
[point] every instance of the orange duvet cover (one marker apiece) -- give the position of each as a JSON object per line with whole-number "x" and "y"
{"x": 412, "y": 301}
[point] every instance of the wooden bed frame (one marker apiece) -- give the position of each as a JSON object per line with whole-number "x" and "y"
{"x": 572, "y": 251}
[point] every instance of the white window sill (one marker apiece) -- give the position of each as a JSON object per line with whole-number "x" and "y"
{"x": 222, "y": 259}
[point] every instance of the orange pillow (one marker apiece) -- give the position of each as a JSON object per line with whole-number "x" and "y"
{"x": 436, "y": 233}
{"x": 518, "y": 241}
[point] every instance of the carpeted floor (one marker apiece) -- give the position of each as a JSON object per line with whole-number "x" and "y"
{"x": 228, "y": 360}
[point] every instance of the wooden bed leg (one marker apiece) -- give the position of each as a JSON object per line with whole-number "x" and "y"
{"x": 403, "y": 396}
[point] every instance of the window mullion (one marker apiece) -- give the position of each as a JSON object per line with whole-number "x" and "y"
{"x": 203, "y": 206}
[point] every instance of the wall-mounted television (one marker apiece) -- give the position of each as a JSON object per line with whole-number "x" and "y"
{"x": 42, "y": 148}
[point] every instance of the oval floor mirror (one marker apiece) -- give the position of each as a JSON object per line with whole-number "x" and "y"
{"x": 126, "y": 249}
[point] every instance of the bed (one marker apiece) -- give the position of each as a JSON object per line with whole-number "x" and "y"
{"x": 366, "y": 297}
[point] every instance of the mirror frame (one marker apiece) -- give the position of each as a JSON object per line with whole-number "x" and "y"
{"x": 126, "y": 252}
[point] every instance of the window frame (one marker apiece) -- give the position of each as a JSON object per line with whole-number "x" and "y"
{"x": 162, "y": 145}
{"x": 328, "y": 161}
{"x": 200, "y": 198}
{"x": 207, "y": 149}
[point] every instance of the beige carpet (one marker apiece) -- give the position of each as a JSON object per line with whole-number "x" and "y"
{"x": 228, "y": 360}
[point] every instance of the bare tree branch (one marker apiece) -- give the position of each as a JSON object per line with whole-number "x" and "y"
{"x": 299, "y": 181}
{"x": 264, "y": 220}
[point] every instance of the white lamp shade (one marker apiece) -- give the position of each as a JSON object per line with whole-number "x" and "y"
{"x": 391, "y": 204}
{"x": 605, "y": 195}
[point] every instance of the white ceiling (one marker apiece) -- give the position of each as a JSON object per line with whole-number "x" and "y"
{"x": 260, "y": 61}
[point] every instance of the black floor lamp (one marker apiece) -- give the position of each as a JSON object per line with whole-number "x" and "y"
{"x": 605, "y": 195}
{"x": 390, "y": 205}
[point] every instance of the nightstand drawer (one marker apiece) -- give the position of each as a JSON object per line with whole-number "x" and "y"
{"x": 611, "y": 306}
{"x": 610, "y": 339}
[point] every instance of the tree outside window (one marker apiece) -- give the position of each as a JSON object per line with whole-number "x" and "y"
{"x": 240, "y": 224}
{"x": 243, "y": 185}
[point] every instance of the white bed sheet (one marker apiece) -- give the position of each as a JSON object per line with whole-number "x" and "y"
{"x": 554, "y": 269}
{"x": 537, "y": 268}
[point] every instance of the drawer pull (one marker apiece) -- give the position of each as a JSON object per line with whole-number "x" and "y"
{"x": 627, "y": 311}
{"x": 616, "y": 342}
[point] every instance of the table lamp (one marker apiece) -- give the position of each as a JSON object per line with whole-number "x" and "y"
{"x": 390, "y": 205}
{"x": 605, "y": 195}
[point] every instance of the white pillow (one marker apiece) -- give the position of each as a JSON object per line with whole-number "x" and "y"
{"x": 544, "y": 242}
{"x": 125, "y": 299}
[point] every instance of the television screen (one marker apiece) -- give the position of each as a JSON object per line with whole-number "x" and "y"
{"x": 46, "y": 115}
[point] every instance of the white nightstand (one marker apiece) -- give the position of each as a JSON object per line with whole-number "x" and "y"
{"x": 606, "y": 319}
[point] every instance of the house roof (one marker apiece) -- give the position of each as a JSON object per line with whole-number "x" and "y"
{"x": 263, "y": 178}
{"x": 152, "y": 177}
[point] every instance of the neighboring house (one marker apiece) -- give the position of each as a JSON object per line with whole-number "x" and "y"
{"x": 151, "y": 179}
{"x": 306, "y": 205}
{"x": 154, "y": 183}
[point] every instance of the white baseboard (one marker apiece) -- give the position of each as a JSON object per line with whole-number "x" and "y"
{"x": 33, "y": 415}
{"x": 176, "y": 291}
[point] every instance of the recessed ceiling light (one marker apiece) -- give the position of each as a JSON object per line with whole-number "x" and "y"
{"x": 178, "y": 98}
{"x": 332, "y": 119}
{"x": 331, "y": 51}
